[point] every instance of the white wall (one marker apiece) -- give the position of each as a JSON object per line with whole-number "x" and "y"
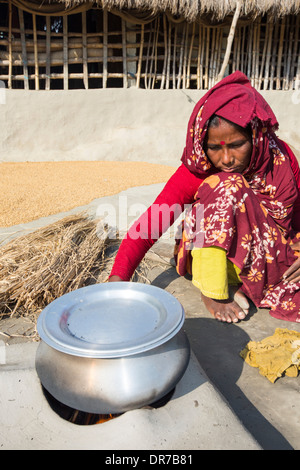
{"x": 112, "y": 124}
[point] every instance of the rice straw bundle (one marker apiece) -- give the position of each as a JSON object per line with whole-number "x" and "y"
{"x": 37, "y": 268}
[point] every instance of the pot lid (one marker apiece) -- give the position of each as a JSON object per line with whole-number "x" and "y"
{"x": 111, "y": 320}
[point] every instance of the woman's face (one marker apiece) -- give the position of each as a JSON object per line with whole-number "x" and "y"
{"x": 228, "y": 148}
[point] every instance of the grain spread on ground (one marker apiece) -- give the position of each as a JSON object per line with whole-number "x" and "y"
{"x": 30, "y": 190}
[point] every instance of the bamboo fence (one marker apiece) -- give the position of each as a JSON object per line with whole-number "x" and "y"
{"x": 45, "y": 52}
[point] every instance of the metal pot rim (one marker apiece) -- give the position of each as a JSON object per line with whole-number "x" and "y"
{"x": 111, "y": 320}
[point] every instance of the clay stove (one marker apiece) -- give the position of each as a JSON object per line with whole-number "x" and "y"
{"x": 195, "y": 417}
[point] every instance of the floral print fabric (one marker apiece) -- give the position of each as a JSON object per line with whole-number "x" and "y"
{"x": 232, "y": 217}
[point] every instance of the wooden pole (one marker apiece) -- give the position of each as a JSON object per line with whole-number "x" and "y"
{"x": 65, "y": 52}
{"x": 238, "y": 51}
{"x": 169, "y": 56}
{"x": 36, "y": 58}
{"x": 280, "y": 50}
{"x": 297, "y": 81}
{"x": 249, "y": 49}
{"x": 243, "y": 58}
{"x": 181, "y": 56}
{"x": 256, "y": 69}
{"x": 190, "y": 58}
{"x": 147, "y": 58}
{"x": 124, "y": 54}
{"x": 48, "y": 52}
{"x": 234, "y": 55}
{"x": 215, "y": 58}
{"x": 230, "y": 39}
{"x": 84, "y": 51}
{"x": 268, "y": 40}
{"x": 262, "y": 65}
{"x": 220, "y": 48}
{"x": 24, "y": 52}
{"x": 294, "y": 58}
{"x": 9, "y": 44}
{"x": 288, "y": 62}
{"x": 140, "y": 57}
{"x": 285, "y": 52}
{"x": 174, "y": 57}
{"x": 199, "y": 56}
{"x": 155, "y": 42}
{"x": 253, "y": 60}
{"x": 105, "y": 42}
{"x": 274, "y": 55}
{"x": 162, "y": 83}
{"x": 152, "y": 53}
{"x": 212, "y": 54}
{"x": 185, "y": 56}
{"x": 207, "y": 57}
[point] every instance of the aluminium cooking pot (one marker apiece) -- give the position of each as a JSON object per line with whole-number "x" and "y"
{"x": 112, "y": 347}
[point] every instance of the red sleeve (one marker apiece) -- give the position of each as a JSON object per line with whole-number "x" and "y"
{"x": 296, "y": 171}
{"x": 178, "y": 191}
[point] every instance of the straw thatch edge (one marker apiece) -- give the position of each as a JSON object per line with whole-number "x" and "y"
{"x": 192, "y": 9}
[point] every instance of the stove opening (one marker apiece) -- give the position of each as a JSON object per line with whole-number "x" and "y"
{"x": 83, "y": 418}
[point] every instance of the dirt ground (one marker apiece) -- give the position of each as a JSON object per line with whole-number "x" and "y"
{"x": 30, "y": 190}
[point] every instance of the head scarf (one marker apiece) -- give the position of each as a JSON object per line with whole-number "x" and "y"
{"x": 269, "y": 173}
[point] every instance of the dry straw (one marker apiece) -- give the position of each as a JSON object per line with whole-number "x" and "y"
{"x": 192, "y": 9}
{"x": 41, "y": 266}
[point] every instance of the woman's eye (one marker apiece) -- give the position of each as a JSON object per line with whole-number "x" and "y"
{"x": 237, "y": 145}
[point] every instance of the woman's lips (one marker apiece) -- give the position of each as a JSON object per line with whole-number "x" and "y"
{"x": 230, "y": 170}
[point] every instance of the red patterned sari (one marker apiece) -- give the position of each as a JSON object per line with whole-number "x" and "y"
{"x": 249, "y": 214}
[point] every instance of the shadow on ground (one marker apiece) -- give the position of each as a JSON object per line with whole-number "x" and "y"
{"x": 268, "y": 411}
{"x": 217, "y": 346}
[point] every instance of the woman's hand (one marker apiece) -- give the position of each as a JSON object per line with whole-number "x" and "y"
{"x": 115, "y": 279}
{"x": 293, "y": 273}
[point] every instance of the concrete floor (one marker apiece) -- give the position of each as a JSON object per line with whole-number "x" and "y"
{"x": 268, "y": 412}
{"x": 195, "y": 418}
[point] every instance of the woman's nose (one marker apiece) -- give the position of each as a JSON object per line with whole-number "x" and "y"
{"x": 227, "y": 157}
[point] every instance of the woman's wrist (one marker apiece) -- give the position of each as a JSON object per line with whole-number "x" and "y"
{"x": 115, "y": 278}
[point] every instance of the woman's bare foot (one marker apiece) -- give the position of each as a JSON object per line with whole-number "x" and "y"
{"x": 239, "y": 297}
{"x": 231, "y": 310}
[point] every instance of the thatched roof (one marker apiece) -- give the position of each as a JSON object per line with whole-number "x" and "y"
{"x": 186, "y": 9}
{"x": 191, "y": 9}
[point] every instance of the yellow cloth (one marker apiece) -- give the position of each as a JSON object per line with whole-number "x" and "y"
{"x": 212, "y": 272}
{"x": 275, "y": 355}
